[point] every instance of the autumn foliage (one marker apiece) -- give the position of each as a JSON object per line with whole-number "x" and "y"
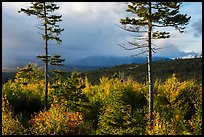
{"x": 115, "y": 106}
{"x": 56, "y": 121}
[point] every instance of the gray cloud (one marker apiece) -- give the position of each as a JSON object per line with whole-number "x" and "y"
{"x": 171, "y": 51}
{"x": 89, "y": 30}
{"x": 197, "y": 27}
{"x": 18, "y": 41}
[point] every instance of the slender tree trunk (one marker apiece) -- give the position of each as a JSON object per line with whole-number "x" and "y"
{"x": 46, "y": 60}
{"x": 150, "y": 71}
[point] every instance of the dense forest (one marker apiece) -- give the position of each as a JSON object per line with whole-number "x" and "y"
{"x": 115, "y": 104}
{"x": 183, "y": 68}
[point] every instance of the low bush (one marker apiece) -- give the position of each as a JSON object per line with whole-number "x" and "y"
{"x": 25, "y": 99}
{"x": 10, "y": 124}
{"x": 177, "y": 108}
{"x": 57, "y": 121}
{"x": 119, "y": 106}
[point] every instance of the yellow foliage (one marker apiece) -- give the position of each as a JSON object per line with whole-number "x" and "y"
{"x": 55, "y": 121}
{"x": 10, "y": 125}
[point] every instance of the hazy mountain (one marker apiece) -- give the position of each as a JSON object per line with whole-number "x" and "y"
{"x": 92, "y": 63}
{"x": 110, "y": 61}
{"x": 191, "y": 54}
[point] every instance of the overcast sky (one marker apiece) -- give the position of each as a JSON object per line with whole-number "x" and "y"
{"x": 90, "y": 29}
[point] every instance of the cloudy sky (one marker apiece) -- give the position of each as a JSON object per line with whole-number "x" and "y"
{"x": 90, "y": 29}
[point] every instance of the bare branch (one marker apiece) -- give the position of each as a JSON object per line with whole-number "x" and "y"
{"x": 155, "y": 49}
{"x": 132, "y": 30}
{"x": 138, "y": 45}
{"x": 39, "y": 28}
{"x": 127, "y": 48}
{"x": 139, "y": 54}
{"x": 141, "y": 38}
{"x": 153, "y": 44}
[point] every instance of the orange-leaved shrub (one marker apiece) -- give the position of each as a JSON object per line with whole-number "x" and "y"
{"x": 57, "y": 121}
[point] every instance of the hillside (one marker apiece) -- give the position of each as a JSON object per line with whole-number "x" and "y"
{"x": 111, "y": 61}
{"x": 88, "y": 63}
{"x": 183, "y": 68}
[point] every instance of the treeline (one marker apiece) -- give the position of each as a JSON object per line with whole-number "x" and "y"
{"x": 184, "y": 69}
{"x": 114, "y": 106}
{"x": 7, "y": 76}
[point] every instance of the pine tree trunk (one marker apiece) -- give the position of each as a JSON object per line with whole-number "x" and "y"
{"x": 150, "y": 71}
{"x": 46, "y": 60}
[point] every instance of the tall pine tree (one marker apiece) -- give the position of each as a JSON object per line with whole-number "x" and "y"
{"x": 149, "y": 17}
{"x": 44, "y": 10}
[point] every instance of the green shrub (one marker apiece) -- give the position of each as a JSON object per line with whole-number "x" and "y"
{"x": 177, "y": 108}
{"x": 25, "y": 93}
{"x": 25, "y": 99}
{"x": 118, "y": 108}
{"x": 30, "y": 73}
{"x": 10, "y": 124}
{"x": 70, "y": 91}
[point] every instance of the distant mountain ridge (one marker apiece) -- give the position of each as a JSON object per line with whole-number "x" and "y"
{"x": 183, "y": 68}
{"x": 94, "y": 62}
{"x": 110, "y": 61}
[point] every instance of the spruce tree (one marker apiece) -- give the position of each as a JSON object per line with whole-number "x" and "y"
{"x": 52, "y": 31}
{"x": 149, "y": 17}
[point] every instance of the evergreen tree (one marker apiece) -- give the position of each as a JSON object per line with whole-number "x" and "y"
{"x": 44, "y": 10}
{"x": 150, "y": 16}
